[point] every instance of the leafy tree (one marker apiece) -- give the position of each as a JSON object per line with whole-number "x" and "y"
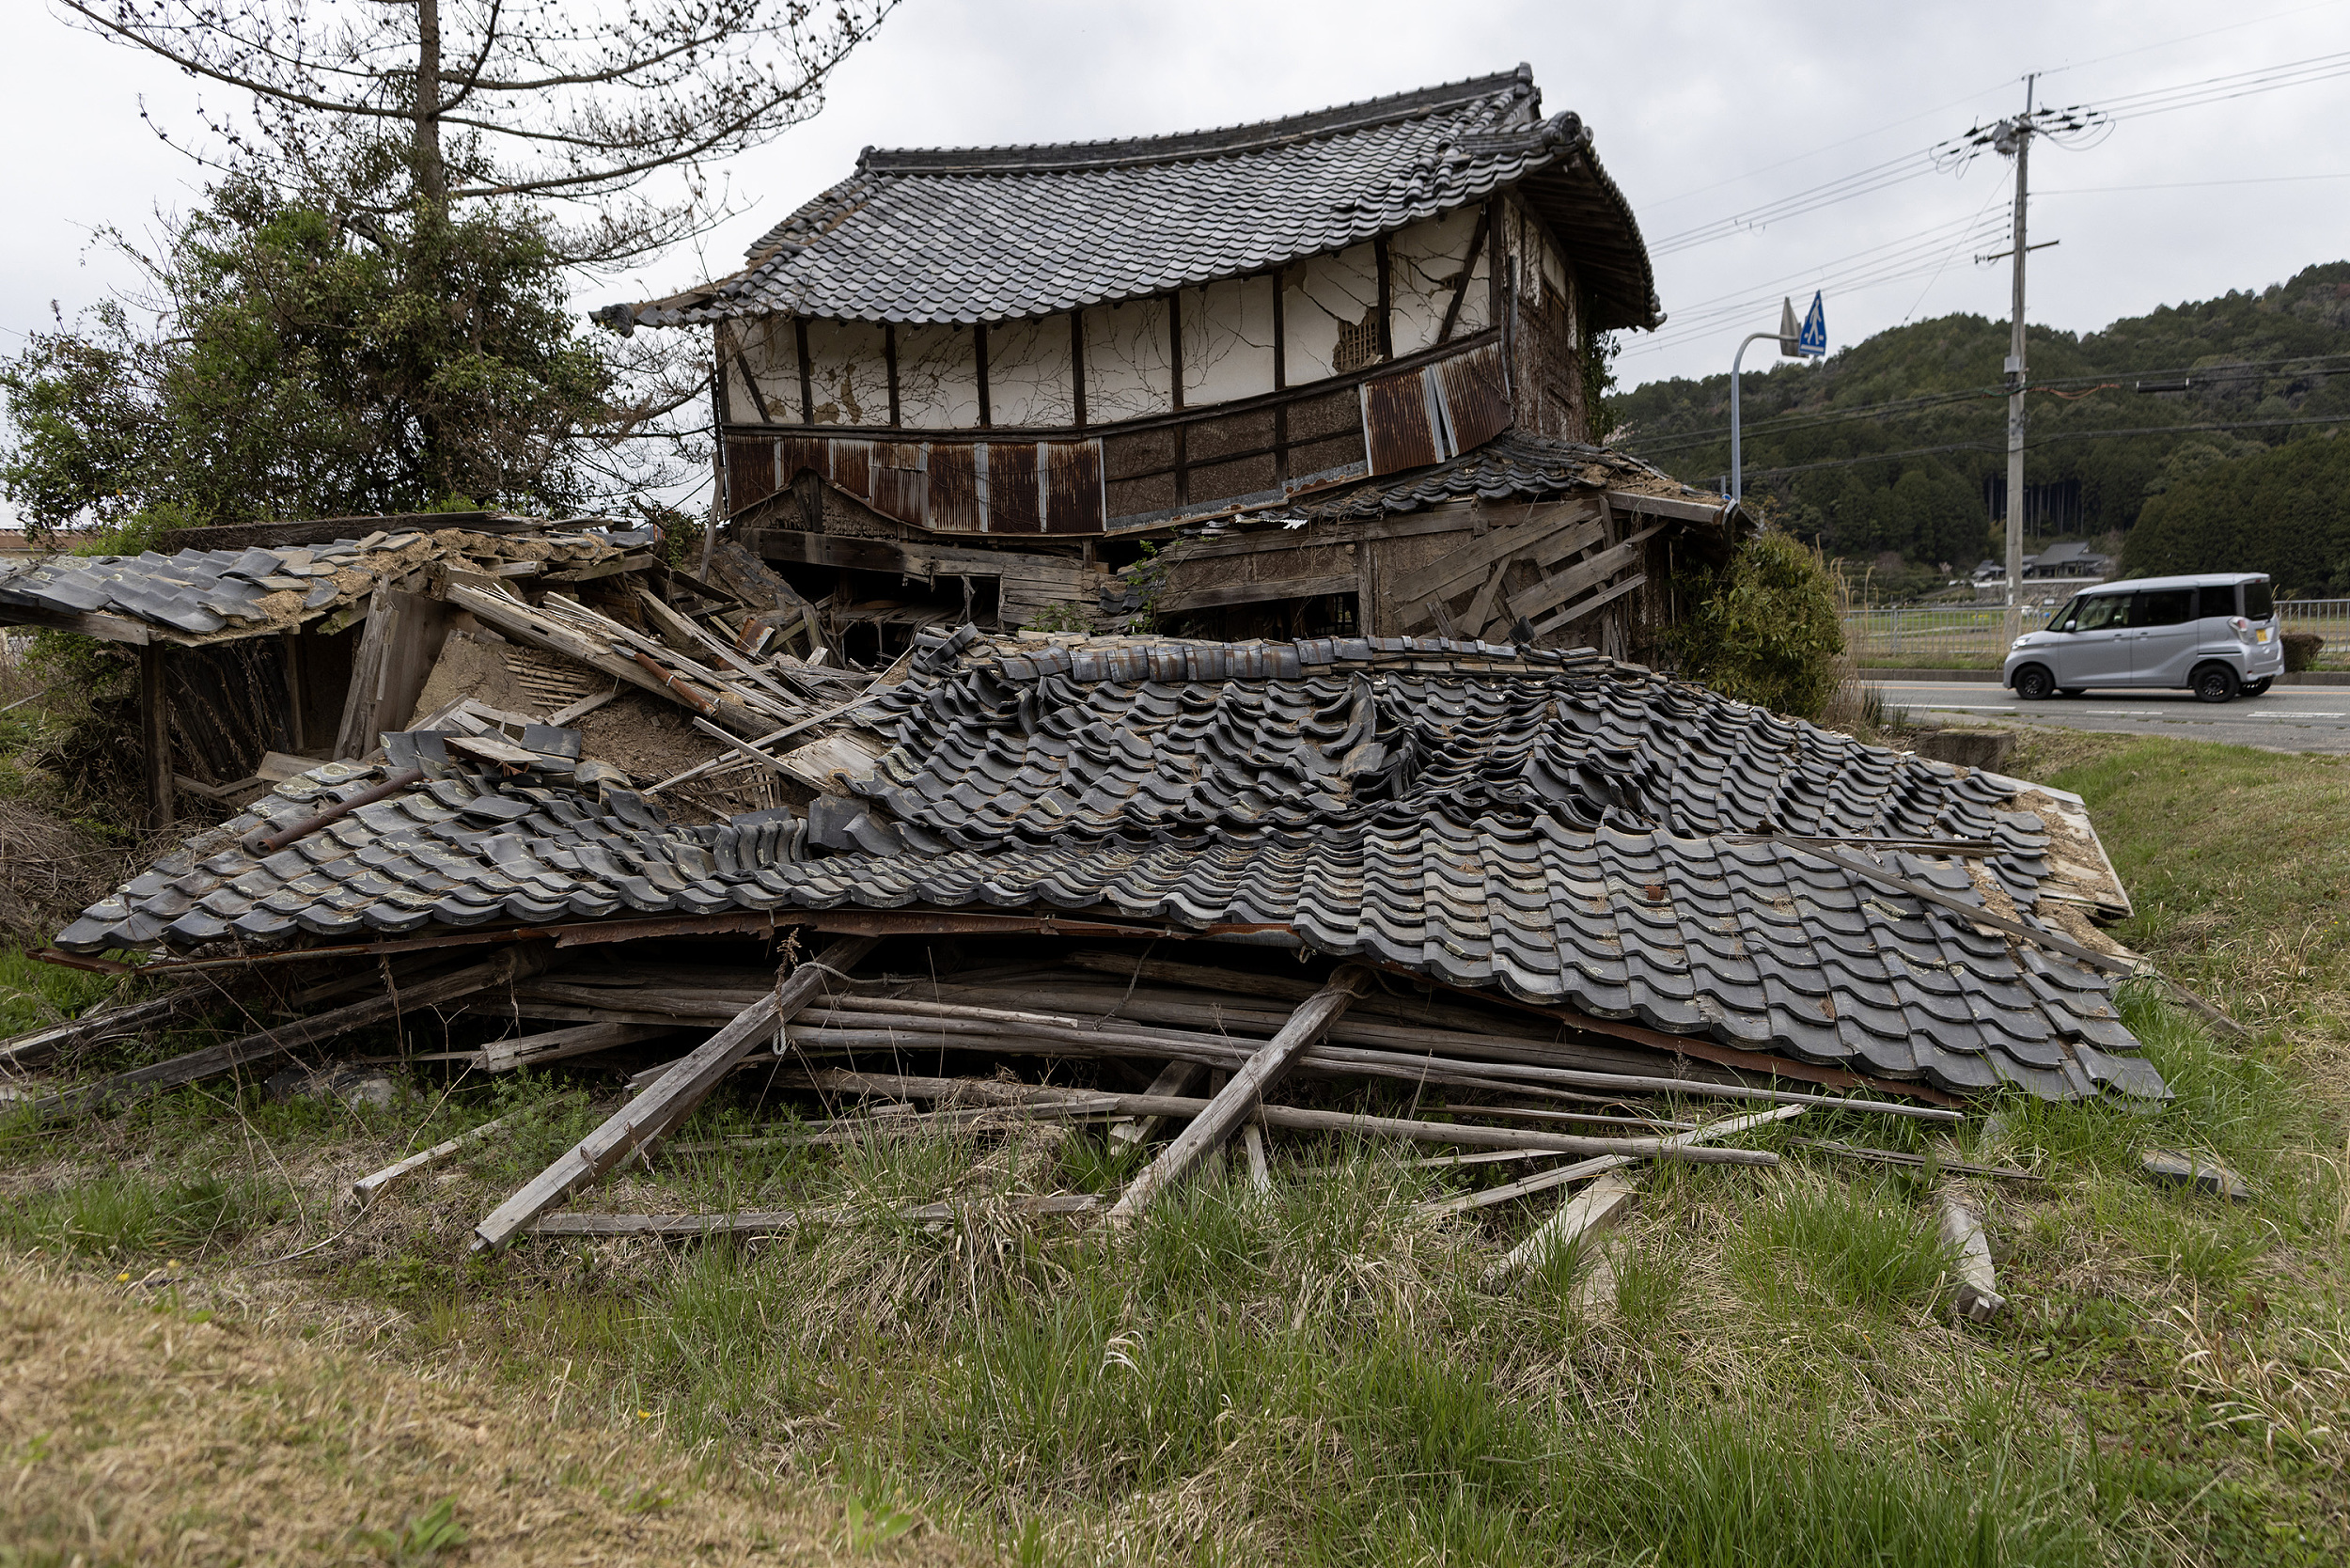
{"x": 1766, "y": 629}
{"x": 1819, "y": 442}
{"x": 296, "y": 367}
{"x": 2285, "y": 512}
{"x": 366, "y": 313}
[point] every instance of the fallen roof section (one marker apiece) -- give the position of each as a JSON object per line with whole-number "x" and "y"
{"x": 1562, "y": 831}
{"x": 224, "y": 595}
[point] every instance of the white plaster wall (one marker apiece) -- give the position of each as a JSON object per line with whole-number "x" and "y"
{"x": 1126, "y": 363}
{"x": 1423, "y": 266}
{"x": 1321, "y": 295}
{"x": 777, "y": 373}
{"x": 848, "y": 372}
{"x": 938, "y": 379}
{"x": 1027, "y": 373}
{"x": 1228, "y": 340}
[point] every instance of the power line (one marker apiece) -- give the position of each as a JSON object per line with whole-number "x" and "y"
{"x": 2043, "y": 441}
{"x": 1895, "y": 408}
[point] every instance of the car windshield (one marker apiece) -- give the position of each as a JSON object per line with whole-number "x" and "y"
{"x": 2061, "y": 620}
{"x": 2258, "y": 603}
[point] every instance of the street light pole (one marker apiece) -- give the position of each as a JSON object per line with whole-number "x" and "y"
{"x": 1738, "y": 468}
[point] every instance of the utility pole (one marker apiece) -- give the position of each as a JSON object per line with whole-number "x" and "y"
{"x": 2016, "y": 137}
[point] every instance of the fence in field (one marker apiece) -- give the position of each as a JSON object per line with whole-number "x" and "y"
{"x": 1976, "y": 633}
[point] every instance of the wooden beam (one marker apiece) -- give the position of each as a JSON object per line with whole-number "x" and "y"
{"x": 353, "y": 736}
{"x": 1266, "y": 1067}
{"x": 1076, "y": 369}
{"x": 1668, "y": 506}
{"x": 1175, "y": 1078}
{"x": 1976, "y": 1296}
{"x": 90, "y": 623}
{"x": 808, "y": 371}
{"x": 1468, "y": 1135}
{"x": 1258, "y": 592}
{"x": 515, "y": 963}
{"x": 368, "y": 1188}
{"x": 978, "y": 362}
{"x": 732, "y": 345}
{"x": 1468, "y": 269}
{"x": 1602, "y": 1205}
{"x": 890, "y": 359}
{"x": 1582, "y": 607}
{"x": 155, "y": 733}
{"x": 1560, "y": 587}
{"x": 668, "y": 1102}
{"x": 1459, "y": 567}
{"x": 1387, "y": 298}
{"x": 1680, "y": 1145}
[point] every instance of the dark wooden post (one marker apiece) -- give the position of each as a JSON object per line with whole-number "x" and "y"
{"x": 155, "y": 731}
{"x": 297, "y": 694}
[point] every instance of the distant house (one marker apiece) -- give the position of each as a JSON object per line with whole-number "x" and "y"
{"x": 1335, "y": 366}
{"x": 2072, "y": 562}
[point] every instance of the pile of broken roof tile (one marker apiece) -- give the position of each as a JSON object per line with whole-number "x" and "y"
{"x": 1558, "y": 831}
{"x": 201, "y": 593}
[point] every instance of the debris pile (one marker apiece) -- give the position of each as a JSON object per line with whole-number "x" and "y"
{"x": 1526, "y": 905}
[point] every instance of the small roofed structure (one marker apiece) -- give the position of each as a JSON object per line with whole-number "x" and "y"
{"x": 1313, "y": 363}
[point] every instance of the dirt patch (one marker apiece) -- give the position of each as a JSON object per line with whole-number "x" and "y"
{"x": 139, "y": 1434}
{"x": 654, "y": 740}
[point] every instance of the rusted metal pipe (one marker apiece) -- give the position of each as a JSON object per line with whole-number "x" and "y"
{"x": 271, "y": 843}
{"x": 684, "y": 690}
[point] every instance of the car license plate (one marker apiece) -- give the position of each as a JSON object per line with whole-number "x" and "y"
{"x": 2261, "y": 635}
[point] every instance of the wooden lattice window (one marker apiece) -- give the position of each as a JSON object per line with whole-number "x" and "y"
{"x": 1358, "y": 344}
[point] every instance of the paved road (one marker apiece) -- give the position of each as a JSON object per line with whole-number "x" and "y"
{"x": 2287, "y": 718}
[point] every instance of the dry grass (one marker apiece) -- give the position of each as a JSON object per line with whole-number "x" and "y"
{"x": 136, "y": 1432}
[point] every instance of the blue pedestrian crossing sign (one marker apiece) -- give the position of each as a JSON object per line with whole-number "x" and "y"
{"x": 1813, "y": 340}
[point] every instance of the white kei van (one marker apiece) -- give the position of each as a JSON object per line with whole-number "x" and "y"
{"x": 2214, "y": 635}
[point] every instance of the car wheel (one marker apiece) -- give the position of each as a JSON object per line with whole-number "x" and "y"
{"x": 2254, "y": 688}
{"x": 2072, "y": 691}
{"x": 2034, "y": 683}
{"x": 2215, "y": 683}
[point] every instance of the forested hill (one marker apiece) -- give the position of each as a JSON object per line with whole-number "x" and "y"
{"x": 1899, "y": 443}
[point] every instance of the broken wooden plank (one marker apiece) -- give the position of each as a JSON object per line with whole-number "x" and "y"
{"x": 1679, "y": 1146}
{"x": 523, "y": 959}
{"x": 752, "y": 1222}
{"x": 2202, "y": 1175}
{"x": 1176, "y": 1077}
{"x": 1977, "y": 1296}
{"x": 661, "y": 1107}
{"x": 505, "y": 1056}
{"x": 1265, "y": 1068}
{"x": 1602, "y": 1203}
{"x": 1894, "y": 1156}
{"x": 1259, "y": 1170}
{"x": 368, "y": 1188}
{"x": 91, "y": 1027}
{"x": 1298, "y": 1118}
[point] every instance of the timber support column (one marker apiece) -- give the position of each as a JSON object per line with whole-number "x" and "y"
{"x": 155, "y": 732}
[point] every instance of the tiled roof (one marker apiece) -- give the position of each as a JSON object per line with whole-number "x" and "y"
{"x": 1513, "y": 467}
{"x": 1563, "y": 827}
{"x": 988, "y": 234}
{"x": 198, "y": 593}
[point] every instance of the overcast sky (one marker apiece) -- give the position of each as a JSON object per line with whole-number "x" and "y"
{"x": 1703, "y": 111}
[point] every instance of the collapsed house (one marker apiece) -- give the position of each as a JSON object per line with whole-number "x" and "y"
{"x": 1317, "y": 865}
{"x": 1335, "y": 371}
{"x": 832, "y": 809}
